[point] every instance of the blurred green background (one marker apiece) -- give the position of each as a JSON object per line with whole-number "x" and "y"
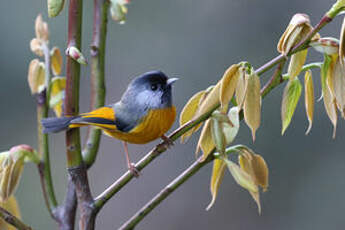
{"x": 195, "y": 41}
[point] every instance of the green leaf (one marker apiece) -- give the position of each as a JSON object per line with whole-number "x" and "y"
{"x": 291, "y": 95}
{"x": 218, "y": 170}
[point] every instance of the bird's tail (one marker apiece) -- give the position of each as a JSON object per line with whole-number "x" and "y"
{"x": 56, "y": 124}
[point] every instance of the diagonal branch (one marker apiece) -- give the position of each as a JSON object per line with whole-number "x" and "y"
{"x": 12, "y": 220}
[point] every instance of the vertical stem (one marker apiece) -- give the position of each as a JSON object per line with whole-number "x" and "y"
{"x": 97, "y": 75}
{"x": 75, "y": 164}
{"x": 43, "y": 143}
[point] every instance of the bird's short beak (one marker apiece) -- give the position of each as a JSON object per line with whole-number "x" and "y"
{"x": 171, "y": 80}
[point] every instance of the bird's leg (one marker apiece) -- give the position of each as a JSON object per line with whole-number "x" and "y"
{"x": 167, "y": 141}
{"x": 130, "y": 165}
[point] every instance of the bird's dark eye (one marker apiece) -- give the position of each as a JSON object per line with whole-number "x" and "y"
{"x": 154, "y": 87}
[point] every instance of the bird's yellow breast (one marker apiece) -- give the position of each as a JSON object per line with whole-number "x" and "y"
{"x": 152, "y": 126}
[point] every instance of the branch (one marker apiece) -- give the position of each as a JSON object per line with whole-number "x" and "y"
{"x": 97, "y": 75}
{"x": 75, "y": 164}
{"x": 43, "y": 143}
{"x": 12, "y": 220}
{"x": 124, "y": 179}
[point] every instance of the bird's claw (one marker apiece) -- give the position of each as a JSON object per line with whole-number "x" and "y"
{"x": 133, "y": 170}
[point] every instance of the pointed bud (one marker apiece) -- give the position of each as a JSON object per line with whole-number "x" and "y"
{"x": 36, "y": 47}
{"x": 309, "y": 98}
{"x": 56, "y": 61}
{"x": 218, "y": 171}
{"x": 228, "y": 84}
{"x": 119, "y": 10}
{"x": 327, "y": 45}
{"x": 36, "y": 76}
{"x": 76, "y": 55}
{"x": 189, "y": 111}
{"x": 291, "y": 95}
{"x": 41, "y": 29}
{"x": 296, "y": 63}
{"x": 55, "y": 7}
{"x": 57, "y": 93}
{"x": 252, "y": 104}
{"x": 298, "y": 28}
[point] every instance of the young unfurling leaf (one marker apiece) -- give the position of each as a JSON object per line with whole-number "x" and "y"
{"x": 36, "y": 76}
{"x": 291, "y": 95}
{"x": 218, "y": 171}
{"x": 241, "y": 88}
{"x": 309, "y": 98}
{"x": 327, "y": 45}
{"x": 228, "y": 84}
{"x": 252, "y": 104}
{"x": 56, "y": 61}
{"x": 205, "y": 142}
{"x": 298, "y": 28}
{"x": 328, "y": 97}
{"x": 58, "y": 85}
{"x": 189, "y": 111}
{"x": 296, "y": 63}
{"x": 338, "y": 78}
{"x": 41, "y": 29}
{"x": 55, "y": 7}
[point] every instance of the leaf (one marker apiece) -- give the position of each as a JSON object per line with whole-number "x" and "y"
{"x": 228, "y": 84}
{"x": 328, "y": 98}
{"x": 55, "y": 7}
{"x": 338, "y": 83}
{"x": 241, "y": 177}
{"x": 296, "y": 63}
{"x": 36, "y": 47}
{"x": 309, "y": 98}
{"x": 291, "y": 95}
{"x": 241, "y": 88}
{"x": 189, "y": 111}
{"x": 252, "y": 104}
{"x": 327, "y": 45}
{"x": 218, "y": 171}
{"x": 10, "y": 205}
{"x": 56, "y": 61}
{"x": 342, "y": 43}
{"x": 36, "y": 76}
{"x": 119, "y": 10}
{"x": 210, "y": 101}
{"x": 229, "y": 131}
{"x": 58, "y": 86}
{"x": 218, "y": 135}
{"x": 205, "y": 142}
{"x": 41, "y": 29}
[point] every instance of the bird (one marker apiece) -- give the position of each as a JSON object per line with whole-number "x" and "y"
{"x": 144, "y": 113}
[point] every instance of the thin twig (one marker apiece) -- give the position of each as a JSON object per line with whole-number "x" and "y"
{"x": 97, "y": 75}
{"x": 12, "y": 220}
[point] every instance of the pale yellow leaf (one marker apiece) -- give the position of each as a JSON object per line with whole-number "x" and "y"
{"x": 252, "y": 104}
{"x": 218, "y": 135}
{"x": 309, "y": 98}
{"x": 296, "y": 63}
{"x": 218, "y": 170}
{"x": 338, "y": 83}
{"x": 189, "y": 111}
{"x": 241, "y": 88}
{"x": 205, "y": 142}
{"x": 56, "y": 61}
{"x": 211, "y": 100}
{"x": 41, "y": 29}
{"x": 228, "y": 84}
{"x": 58, "y": 86}
{"x": 11, "y": 206}
{"x": 342, "y": 43}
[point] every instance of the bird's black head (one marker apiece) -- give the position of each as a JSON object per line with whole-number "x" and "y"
{"x": 151, "y": 90}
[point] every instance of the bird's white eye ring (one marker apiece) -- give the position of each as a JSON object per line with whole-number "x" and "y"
{"x": 154, "y": 87}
